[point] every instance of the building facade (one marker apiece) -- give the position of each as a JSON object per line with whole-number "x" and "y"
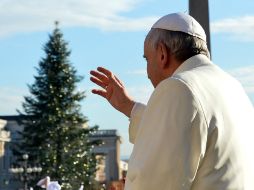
{"x": 108, "y": 153}
{"x": 4, "y": 153}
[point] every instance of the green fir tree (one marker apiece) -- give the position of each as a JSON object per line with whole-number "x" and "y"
{"x": 55, "y": 133}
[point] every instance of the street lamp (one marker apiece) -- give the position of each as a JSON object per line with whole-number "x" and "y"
{"x": 25, "y": 171}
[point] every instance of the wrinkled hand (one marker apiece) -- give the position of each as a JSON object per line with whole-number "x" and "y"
{"x": 113, "y": 90}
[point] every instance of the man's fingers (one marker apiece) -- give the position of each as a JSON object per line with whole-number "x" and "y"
{"x": 105, "y": 71}
{"x": 110, "y": 76}
{"x": 98, "y": 82}
{"x": 120, "y": 82}
{"x": 99, "y": 76}
{"x": 99, "y": 92}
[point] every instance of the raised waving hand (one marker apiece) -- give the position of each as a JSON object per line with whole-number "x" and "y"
{"x": 112, "y": 89}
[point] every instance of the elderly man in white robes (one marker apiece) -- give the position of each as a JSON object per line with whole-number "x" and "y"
{"x": 196, "y": 130}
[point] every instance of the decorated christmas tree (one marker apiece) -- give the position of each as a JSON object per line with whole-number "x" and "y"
{"x": 55, "y": 132}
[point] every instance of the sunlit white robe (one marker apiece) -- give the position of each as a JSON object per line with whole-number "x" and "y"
{"x": 196, "y": 132}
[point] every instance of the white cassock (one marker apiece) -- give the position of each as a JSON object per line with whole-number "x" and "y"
{"x": 195, "y": 133}
{"x": 49, "y": 185}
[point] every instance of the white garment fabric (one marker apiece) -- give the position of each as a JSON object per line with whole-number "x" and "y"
{"x": 49, "y": 185}
{"x": 196, "y": 133}
{"x": 53, "y": 186}
{"x": 43, "y": 183}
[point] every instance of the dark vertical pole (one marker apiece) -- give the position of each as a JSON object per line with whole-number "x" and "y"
{"x": 199, "y": 9}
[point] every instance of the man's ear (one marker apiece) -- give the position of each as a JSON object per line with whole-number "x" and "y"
{"x": 163, "y": 55}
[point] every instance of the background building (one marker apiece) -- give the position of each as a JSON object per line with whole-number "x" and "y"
{"x": 4, "y": 153}
{"x": 108, "y": 154}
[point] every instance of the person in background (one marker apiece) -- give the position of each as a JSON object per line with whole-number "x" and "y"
{"x": 196, "y": 131}
{"x": 81, "y": 187}
{"x": 49, "y": 185}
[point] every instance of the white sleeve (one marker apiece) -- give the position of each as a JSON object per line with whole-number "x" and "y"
{"x": 171, "y": 141}
{"x": 135, "y": 118}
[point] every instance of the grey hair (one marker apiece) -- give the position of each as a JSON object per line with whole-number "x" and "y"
{"x": 181, "y": 45}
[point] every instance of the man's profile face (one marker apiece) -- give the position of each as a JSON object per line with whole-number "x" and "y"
{"x": 152, "y": 64}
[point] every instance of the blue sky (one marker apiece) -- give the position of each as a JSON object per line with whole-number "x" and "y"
{"x": 111, "y": 34}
